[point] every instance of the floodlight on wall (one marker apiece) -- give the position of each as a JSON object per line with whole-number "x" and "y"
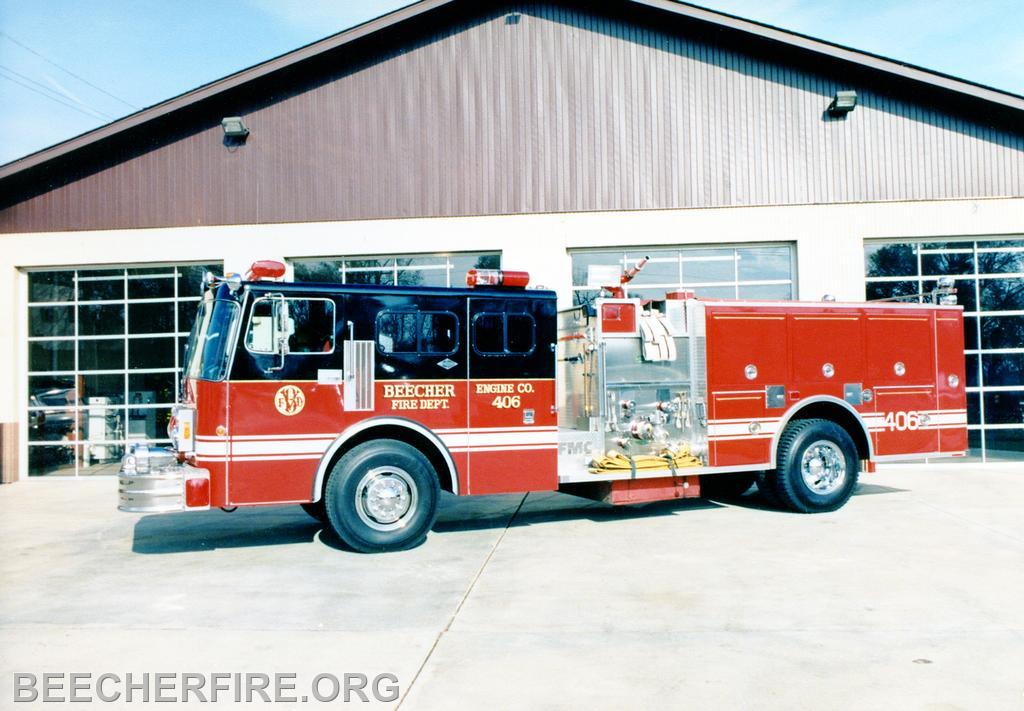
{"x": 234, "y": 128}
{"x": 842, "y": 103}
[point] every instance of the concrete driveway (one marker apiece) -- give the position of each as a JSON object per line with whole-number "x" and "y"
{"x": 911, "y": 597}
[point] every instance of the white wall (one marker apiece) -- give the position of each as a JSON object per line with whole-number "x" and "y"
{"x": 829, "y": 239}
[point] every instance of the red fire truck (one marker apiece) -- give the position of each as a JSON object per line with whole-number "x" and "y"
{"x": 362, "y": 403}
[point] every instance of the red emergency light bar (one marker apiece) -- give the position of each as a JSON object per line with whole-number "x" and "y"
{"x": 497, "y": 277}
{"x": 265, "y": 269}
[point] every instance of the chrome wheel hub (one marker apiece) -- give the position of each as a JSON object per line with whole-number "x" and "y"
{"x": 385, "y": 498}
{"x": 823, "y": 467}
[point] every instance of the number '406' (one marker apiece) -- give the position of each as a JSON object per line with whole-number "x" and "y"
{"x": 902, "y": 421}
{"x": 505, "y": 401}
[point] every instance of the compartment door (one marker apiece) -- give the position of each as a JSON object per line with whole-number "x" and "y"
{"x": 512, "y": 435}
{"x": 900, "y": 349}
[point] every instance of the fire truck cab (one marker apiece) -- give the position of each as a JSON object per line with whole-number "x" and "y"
{"x": 363, "y": 402}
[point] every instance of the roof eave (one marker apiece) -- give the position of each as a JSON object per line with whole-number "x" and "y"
{"x": 784, "y": 37}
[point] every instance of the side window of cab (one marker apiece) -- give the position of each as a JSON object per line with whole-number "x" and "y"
{"x": 503, "y": 334}
{"x": 283, "y": 326}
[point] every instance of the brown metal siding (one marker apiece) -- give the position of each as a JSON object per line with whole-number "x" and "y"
{"x": 558, "y": 110}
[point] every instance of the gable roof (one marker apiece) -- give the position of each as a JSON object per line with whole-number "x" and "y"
{"x": 964, "y": 89}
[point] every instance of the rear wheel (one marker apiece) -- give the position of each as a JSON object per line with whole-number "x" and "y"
{"x": 382, "y": 496}
{"x": 817, "y": 467}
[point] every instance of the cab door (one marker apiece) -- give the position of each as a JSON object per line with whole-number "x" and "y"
{"x": 512, "y": 436}
{"x": 285, "y": 396}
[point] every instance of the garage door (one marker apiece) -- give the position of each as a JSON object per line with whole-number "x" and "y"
{"x": 989, "y": 276}
{"x": 104, "y": 351}
{"x": 763, "y": 272}
{"x": 404, "y": 270}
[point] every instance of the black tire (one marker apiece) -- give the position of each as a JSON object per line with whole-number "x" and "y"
{"x": 817, "y": 466}
{"x": 382, "y": 496}
{"x": 316, "y": 509}
{"x": 726, "y": 486}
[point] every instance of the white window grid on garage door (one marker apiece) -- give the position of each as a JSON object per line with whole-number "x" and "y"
{"x": 101, "y": 454}
{"x": 989, "y": 276}
{"x": 437, "y": 269}
{"x": 762, "y": 271}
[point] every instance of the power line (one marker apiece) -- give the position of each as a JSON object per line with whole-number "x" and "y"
{"x": 32, "y": 88}
{"x": 57, "y": 94}
{"x": 69, "y": 72}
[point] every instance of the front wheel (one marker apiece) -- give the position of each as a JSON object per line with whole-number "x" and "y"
{"x": 382, "y": 496}
{"x": 817, "y": 467}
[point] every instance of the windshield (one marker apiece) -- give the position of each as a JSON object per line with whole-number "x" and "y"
{"x": 206, "y": 356}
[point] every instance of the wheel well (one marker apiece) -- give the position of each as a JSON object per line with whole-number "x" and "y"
{"x": 402, "y": 434}
{"x": 842, "y": 417}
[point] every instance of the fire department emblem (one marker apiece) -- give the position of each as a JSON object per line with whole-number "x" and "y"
{"x": 289, "y": 400}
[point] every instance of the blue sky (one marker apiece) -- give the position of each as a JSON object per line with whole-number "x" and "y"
{"x": 145, "y": 51}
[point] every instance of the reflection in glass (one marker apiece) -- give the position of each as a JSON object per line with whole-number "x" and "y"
{"x": 890, "y": 260}
{"x": 1000, "y": 262}
{"x": 382, "y": 278}
{"x": 971, "y": 371}
{"x": 51, "y": 286}
{"x": 890, "y": 289}
{"x": 766, "y": 292}
{"x": 100, "y": 459}
{"x": 1002, "y": 369}
{"x": 1004, "y": 444}
{"x": 1001, "y": 294}
{"x": 52, "y": 390}
{"x": 973, "y": 409}
{"x": 151, "y": 387}
{"x": 150, "y": 353}
{"x": 150, "y": 287}
{"x": 151, "y": 318}
{"x": 462, "y": 263}
{"x": 101, "y": 320}
{"x": 100, "y": 289}
{"x": 708, "y": 269}
{"x": 1002, "y": 331}
{"x": 659, "y": 270}
{"x": 965, "y": 295}
{"x": 147, "y": 423}
{"x": 53, "y": 424}
{"x": 51, "y": 355}
{"x": 974, "y": 445}
{"x": 110, "y": 386}
{"x": 1004, "y": 408}
{"x": 190, "y": 278}
{"x": 55, "y": 460}
{"x": 947, "y": 263}
{"x": 101, "y": 354}
{"x": 764, "y": 263}
{"x": 51, "y": 321}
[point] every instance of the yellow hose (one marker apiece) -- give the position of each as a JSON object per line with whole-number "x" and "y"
{"x": 617, "y": 461}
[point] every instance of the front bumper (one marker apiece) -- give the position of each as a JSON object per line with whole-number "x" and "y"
{"x": 164, "y": 487}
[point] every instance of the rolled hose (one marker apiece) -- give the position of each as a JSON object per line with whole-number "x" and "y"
{"x": 617, "y": 461}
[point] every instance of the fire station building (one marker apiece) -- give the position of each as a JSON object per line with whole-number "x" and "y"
{"x": 746, "y": 161}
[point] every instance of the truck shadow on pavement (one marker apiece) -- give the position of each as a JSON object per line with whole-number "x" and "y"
{"x": 466, "y": 513}
{"x": 283, "y": 525}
